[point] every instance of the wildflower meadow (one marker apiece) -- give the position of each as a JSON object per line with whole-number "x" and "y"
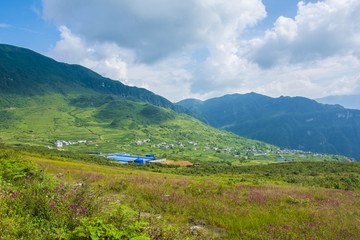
{"x": 44, "y": 198}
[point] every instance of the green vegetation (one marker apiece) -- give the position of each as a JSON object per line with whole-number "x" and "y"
{"x": 295, "y": 123}
{"x": 231, "y": 188}
{"x": 334, "y": 175}
{"x": 25, "y": 75}
{"x": 45, "y": 195}
{"x": 50, "y": 101}
{"x": 113, "y": 124}
{"x": 35, "y": 205}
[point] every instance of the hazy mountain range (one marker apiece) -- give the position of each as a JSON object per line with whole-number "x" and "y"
{"x": 292, "y": 122}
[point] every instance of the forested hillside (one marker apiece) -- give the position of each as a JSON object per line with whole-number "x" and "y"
{"x": 292, "y": 122}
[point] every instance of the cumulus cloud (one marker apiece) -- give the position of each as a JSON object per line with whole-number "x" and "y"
{"x": 320, "y": 30}
{"x": 164, "y": 77}
{"x": 332, "y": 76}
{"x": 161, "y": 37}
{"x": 155, "y": 29}
{"x": 105, "y": 58}
{"x": 194, "y": 48}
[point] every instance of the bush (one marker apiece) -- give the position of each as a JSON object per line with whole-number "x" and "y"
{"x": 122, "y": 223}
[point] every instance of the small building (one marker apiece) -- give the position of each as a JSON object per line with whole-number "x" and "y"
{"x": 127, "y": 158}
{"x": 58, "y": 144}
{"x": 284, "y": 159}
{"x": 141, "y": 161}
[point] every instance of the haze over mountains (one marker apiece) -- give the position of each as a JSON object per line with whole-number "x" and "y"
{"x": 291, "y": 122}
{"x": 347, "y": 101}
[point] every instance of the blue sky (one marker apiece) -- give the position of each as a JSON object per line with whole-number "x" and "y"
{"x": 198, "y": 48}
{"x": 24, "y": 26}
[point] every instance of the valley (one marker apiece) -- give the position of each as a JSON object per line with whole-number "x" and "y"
{"x": 57, "y": 118}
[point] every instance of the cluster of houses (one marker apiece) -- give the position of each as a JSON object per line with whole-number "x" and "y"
{"x": 61, "y": 143}
{"x": 207, "y": 148}
{"x": 253, "y": 150}
{"x": 165, "y": 145}
{"x": 140, "y": 142}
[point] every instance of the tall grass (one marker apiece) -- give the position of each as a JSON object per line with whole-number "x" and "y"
{"x": 218, "y": 207}
{"x": 36, "y": 205}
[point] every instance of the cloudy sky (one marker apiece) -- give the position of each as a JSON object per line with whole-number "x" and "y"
{"x": 199, "y": 48}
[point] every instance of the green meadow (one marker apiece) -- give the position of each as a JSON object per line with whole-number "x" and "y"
{"x": 112, "y": 124}
{"x": 214, "y": 184}
{"x": 50, "y": 194}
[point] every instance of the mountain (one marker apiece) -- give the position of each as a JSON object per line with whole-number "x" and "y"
{"x": 291, "y": 122}
{"x": 28, "y": 74}
{"x": 347, "y": 101}
{"x": 43, "y": 101}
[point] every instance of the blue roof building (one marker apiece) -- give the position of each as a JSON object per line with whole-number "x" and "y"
{"x": 127, "y": 158}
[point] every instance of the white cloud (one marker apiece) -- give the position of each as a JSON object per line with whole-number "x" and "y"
{"x": 160, "y": 35}
{"x": 164, "y": 77}
{"x": 331, "y": 76}
{"x": 105, "y": 58}
{"x": 156, "y": 44}
{"x": 320, "y": 30}
{"x": 155, "y": 29}
{"x": 167, "y": 78}
{"x": 4, "y": 25}
{"x": 315, "y": 54}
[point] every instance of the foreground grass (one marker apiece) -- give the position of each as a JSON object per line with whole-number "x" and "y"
{"x": 36, "y": 205}
{"x": 92, "y": 201}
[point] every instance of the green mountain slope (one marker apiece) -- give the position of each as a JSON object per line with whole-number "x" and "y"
{"x": 111, "y": 124}
{"x": 26, "y": 73}
{"x": 297, "y": 123}
{"x": 43, "y": 101}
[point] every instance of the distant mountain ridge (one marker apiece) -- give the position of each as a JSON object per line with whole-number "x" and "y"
{"x": 27, "y": 73}
{"x": 347, "y": 101}
{"x": 292, "y": 122}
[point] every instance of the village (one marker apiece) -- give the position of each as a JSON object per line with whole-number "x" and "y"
{"x": 251, "y": 152}
{"x": 61, "y": 143}
{"x": 244, "y": 153}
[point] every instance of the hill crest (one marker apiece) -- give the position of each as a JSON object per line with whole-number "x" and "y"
{"x": 27, "y": 73}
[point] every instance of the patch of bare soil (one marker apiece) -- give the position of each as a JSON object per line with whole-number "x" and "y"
{"x": 178, "y": 163}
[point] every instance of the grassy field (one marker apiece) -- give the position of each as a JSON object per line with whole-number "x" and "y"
{"x": 111, "y": 124}
{"x": 218, "y": 185}
{"x": 48, "y": 195}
